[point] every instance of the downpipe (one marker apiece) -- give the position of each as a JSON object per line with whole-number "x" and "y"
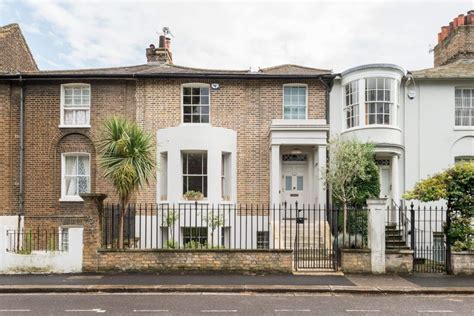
{"x": 21, "y": 163}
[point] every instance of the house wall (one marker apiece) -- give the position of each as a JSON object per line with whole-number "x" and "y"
{"x": 244, "y": 106}
{"x": 430, "y": 136}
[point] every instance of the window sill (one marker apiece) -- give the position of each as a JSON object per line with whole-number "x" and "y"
{"x": 464, "y": 128}
{"x": 71, "y": 199}
{"x": 195, "y": 124}
{"x": 74, "y": 126}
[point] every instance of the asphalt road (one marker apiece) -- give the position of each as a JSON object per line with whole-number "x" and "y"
{"x": 235, "y": 304}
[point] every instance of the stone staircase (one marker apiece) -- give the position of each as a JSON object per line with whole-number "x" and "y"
{"x": 394, "y": 238}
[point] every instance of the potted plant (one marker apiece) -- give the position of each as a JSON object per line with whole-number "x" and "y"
{"x": 193, "y": 196}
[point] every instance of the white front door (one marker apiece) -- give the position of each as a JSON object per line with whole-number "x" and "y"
{"x": 385, "y": 182}
{"x": 294, "y": 184}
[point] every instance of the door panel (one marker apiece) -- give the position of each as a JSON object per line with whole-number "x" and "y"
{"x": 294, "y": 184}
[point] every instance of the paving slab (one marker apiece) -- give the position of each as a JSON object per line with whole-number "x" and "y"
{"x": 380, "y": 280}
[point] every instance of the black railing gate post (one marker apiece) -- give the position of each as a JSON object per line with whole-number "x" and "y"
{"x": 449, "y": 269}
{"x": 412, "y": 229}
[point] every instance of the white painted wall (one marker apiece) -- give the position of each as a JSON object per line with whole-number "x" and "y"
{"x": 41, "y": 261}
{"x": 198, "y": 137}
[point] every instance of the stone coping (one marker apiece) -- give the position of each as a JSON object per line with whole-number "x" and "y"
{"x": 398, "y": 251}
{"x": 463, "y": 253}
{"x": 363, "y": 250}
{"x": 102, "y": 250}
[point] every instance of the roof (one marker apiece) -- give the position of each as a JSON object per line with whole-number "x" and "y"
{"x": 460, "y": 69}
{"x": 15, "y": 54}
{"x": 373, "y": 66}
{"x": 290, "y": 69}
{"x": 156, "y": 69}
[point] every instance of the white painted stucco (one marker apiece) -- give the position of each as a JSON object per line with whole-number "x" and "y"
{"x": 41, "y": 261}
{"x": 197, "y": 137}
{"x": 423, "y": 136}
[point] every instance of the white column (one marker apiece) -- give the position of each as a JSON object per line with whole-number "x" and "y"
{"x": 175, "y": 176}
{"x": 321, "y": 169}
{"x": 214, "y": 172}
{"x": 377, "y": 234}
{"x": 395, "y": 195}
{"x": 275, "y": 175}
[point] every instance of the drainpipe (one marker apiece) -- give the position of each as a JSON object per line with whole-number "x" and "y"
{"x": 21, "y": 158}
{"x": 327, "y": 113}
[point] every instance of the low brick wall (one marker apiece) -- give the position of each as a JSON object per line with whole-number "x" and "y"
{"x": 399, "y": 261}
{"x": 356, "y": 261}
{"x": 240, "y": 261}
{"x": 462, "y": 262}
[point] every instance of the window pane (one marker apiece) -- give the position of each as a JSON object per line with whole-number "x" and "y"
{"x": 81, "y": 117}
{"x": 186, "y": 100}
{"x": 196, "y": 91}
{"x": 187, "y": 119}
{"x": 205, "y": 100}
{"x": 204, "y": 118}
{"x": 195, "y": 100}
{"x": 196, "y": 119}
{"x": 195, "y": 162}
{"x": 299, "y": 183}
{"x": 70, "y": 168}
{"x": 187, "y": 110}
{"x": 83, "y": 184}
{"x": 205, "y": 91}
{"x": 186, "y": 91}
{"x": 288, "y": 184}
{"x": 195, "y": 183}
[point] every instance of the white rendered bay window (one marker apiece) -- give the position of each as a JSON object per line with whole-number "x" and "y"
{"x": 75, "y": 175}
{"x": 75, "y": 105}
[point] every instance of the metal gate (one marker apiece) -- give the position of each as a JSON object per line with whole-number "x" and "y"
{"x": 428, "y": 240}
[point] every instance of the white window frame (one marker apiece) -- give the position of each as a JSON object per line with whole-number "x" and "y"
{"x": 356, "y": 114}
{"x": 194, "y": 85}
{"x": 72, "y": 198}
{"x": 88, "y": 113}
{"x": 304, "y": 85}
{"x": 391, "y": 103}
{"x": 206, "y": 175}
{"x": 461, "y": 127}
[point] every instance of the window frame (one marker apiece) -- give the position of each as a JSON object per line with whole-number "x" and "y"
{"x": 206, "y": 175}
{"x": 294, "y": 85}
{"x": 62, "y": 123}
{"x": 194, "y": 85}
{"x": 391, "y": 102}
{"x": 356, "y": 115}
{"x": 71, "y": 198}
{"x": 461, "y": 127}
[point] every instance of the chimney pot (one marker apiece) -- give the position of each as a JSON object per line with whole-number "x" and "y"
{"x": 152, "y": 46}
{"x": 460, "y": 19}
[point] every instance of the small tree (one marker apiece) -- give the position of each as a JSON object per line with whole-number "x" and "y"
{"x": 214, "y": 222}
{"x": 352, "y": 174}
{"x": 456, "y": 186}
{"x": 126, "y": 159}
{"x": 171, "y": 218}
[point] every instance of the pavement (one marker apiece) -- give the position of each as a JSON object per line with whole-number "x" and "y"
{"x": 228, "y": 283}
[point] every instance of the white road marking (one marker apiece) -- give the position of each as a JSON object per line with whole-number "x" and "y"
{"x": 363, "y": 310}
{"x": 151, "y": 310}
{"x": 435, "y": 311}
{"x": 13, "y": 310}
{"x": 219, "y": 311}
{"x": 292, "y": 310}
{"x": 95, "y": 310}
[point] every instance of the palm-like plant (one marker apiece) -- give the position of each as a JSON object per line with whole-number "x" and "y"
{"x": 126, "y": 159}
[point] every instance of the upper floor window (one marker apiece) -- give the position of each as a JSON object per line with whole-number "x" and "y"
{"x": 75, "y": 175}
{"x": 196, "y": 104}
{"x": 464, "y": 107}
{"x": 351, "y": 105}
{"x": 294, "y": 102}
{"x": 379, "y": 96}
{"x": 75, "y": 105}
{"x": 195, "y": 172}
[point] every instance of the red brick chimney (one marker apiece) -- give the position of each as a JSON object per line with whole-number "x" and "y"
{"x": 455, "y": 41}
{"x": 162, "y": 54}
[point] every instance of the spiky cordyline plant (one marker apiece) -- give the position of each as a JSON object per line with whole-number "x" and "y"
{"x": 126, "y": 159}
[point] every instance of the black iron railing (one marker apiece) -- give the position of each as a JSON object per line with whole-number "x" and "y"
{"x": 27, "y": 241}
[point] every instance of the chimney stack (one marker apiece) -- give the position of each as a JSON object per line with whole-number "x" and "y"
{"x": 162, "y": 54}
{"x": 455, "y": 41}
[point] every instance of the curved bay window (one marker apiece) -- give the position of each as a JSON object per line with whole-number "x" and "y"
{"x": 351, "y": 104}
{"x": 379, "y": 100}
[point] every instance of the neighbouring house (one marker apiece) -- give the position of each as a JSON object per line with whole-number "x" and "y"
{"x": 420, "y": 121}
{"x": 237, "y": 136}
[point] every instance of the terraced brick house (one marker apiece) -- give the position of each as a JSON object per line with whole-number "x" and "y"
{"x": 237, "y": 136}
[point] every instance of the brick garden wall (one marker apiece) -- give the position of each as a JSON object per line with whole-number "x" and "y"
{"x": 275, "y": 261}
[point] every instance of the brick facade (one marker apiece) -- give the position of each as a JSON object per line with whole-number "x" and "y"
{"x": 15, "y": 54}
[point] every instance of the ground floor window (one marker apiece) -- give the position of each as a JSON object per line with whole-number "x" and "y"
{"x": 263, "y": 240}
{"x": 75, "y": 175}
{"x": 464, "y": 159}
{"x": 195, "y": 172}
{"x": 64, "y": 241}
{"x": 194, "y": 237}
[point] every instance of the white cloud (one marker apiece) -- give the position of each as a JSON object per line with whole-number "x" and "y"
{"x": 336, "y": 34}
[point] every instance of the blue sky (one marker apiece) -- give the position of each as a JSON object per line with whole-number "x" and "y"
{"x": 233, "y": 35}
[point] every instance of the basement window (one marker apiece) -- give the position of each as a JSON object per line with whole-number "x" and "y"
{"x": 75, "y": 105}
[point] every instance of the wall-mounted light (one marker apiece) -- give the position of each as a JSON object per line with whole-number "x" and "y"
{"x": 296, "y": 151}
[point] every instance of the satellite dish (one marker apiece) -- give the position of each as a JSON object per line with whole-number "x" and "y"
{"x": 215, "y": 86}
